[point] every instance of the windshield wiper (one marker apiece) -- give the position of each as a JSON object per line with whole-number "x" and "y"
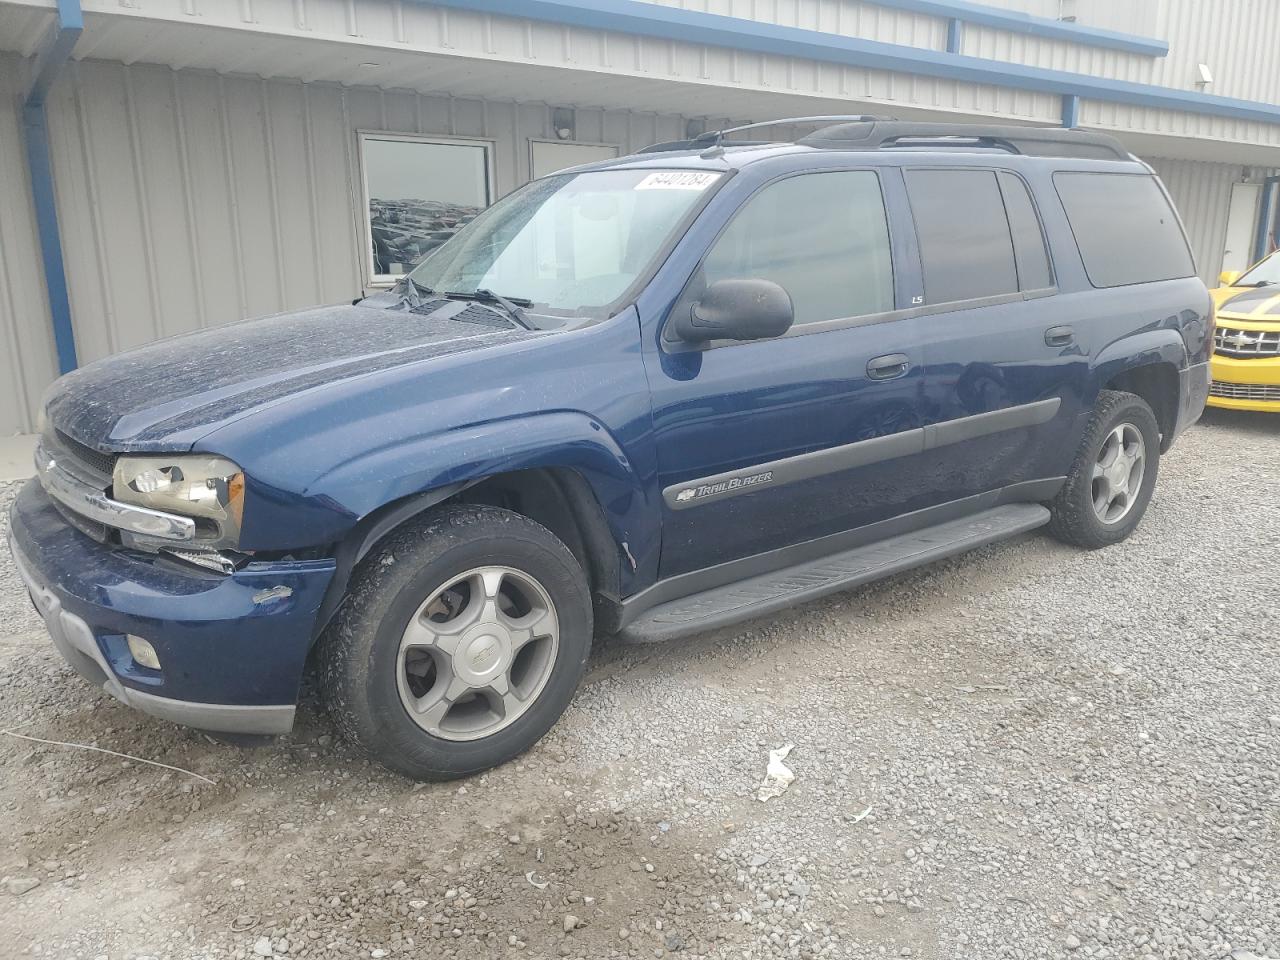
{"x": 513, "y": 307}
{"x": 1258, "y": 283}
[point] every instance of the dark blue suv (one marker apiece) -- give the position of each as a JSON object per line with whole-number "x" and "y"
{"x": 644, "y": 397}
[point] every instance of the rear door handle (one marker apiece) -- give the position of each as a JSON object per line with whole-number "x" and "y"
{"x": 888, "y": 367}
{"x": 1059, "y": 336}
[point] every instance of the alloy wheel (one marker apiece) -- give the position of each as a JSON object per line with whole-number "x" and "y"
{"x": 1118, "y": 473}
{"x": 477, "y": 653}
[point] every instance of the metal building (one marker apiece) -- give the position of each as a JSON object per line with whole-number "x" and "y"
{"x": 167, "y": 165}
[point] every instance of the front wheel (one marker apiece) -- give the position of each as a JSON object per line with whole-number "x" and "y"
{"x": 462, "y": 641}
{"x": 1113, "y": 476}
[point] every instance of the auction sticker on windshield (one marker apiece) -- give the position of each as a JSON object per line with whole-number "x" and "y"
{"x": 677, "y": 180}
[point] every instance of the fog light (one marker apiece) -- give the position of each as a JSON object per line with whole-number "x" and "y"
{"x": 144, "y": 654}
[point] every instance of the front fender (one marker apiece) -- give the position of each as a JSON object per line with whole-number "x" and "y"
{"x": 462, "y": 455}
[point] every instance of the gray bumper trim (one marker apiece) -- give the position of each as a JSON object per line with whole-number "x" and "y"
{"x": 218, "y": 717}
{"x": 78, "y": 646}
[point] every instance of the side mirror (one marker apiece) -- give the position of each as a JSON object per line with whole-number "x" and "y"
{"x": 1228, "y": 277}
{"x": 737, "y": 309}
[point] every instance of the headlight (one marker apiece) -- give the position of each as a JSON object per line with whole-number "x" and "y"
{"x": 208, "y": 489}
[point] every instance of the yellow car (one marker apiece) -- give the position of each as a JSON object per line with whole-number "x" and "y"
{"x": 1246, "y": 354}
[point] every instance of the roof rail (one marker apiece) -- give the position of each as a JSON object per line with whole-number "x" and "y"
{"x": 1028, "y": 141}
{"x": 721, "y": 138}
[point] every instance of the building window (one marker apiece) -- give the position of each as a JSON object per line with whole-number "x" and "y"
{"x": 418, "y": 193}
{"x": 550, "y": 156}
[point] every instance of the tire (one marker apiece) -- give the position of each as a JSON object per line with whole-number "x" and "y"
{"x": 419, "y": 588}
{"x": 1118, "y": 422}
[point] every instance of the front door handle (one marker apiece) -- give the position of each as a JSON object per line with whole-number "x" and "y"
{"x": 1059, "y": 336}
{"x": 888, "y": 367}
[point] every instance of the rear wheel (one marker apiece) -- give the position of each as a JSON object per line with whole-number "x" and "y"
{"x": 1113, "y": 476}
{"x": 462, "y": 641}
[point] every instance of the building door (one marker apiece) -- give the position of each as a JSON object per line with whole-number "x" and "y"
{"x": 1242, "y": 219}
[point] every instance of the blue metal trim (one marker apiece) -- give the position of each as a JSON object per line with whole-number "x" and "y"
{"x": 1071, "y": 112}
{"x": 694, "y": 26}
{"x": 36, "y": 131}
{"x": 955, "y": 30}
{"x": 53, "y": 53}
{"x": 1017, "y": 22}
{"x": 1266, "y": 216}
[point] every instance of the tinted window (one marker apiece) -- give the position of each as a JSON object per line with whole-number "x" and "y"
{"x": 1124, "y": 227}
{"x": 1028, "y": 240}
{"x": 963, "y": 232}
{"x": 822, "y": 236}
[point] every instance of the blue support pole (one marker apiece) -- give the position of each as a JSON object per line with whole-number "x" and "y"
{"x": 1266, "y": 218}
{"x": 54, "y": 52}
{"x": 1071, "y": 112}
{"x": 955, "y": 28}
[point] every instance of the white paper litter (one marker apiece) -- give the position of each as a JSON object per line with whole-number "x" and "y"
{"x": 777, "y": 776}
{"x": 539, "y": 883}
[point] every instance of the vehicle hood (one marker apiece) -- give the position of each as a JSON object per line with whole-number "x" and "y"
{"x": 167, "y": 395}
{"x": 1254, "y": 304}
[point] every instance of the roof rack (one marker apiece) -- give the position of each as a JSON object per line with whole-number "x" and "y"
{"x": 1028, "y": 141}
{"x": 877, "y": 133}
{"x": 720, "y": 138}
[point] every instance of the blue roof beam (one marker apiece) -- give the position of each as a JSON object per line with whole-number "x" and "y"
{"x": 716, "y": 30}
{"x": 1015, "y": 21}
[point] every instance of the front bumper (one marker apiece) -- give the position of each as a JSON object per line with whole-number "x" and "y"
{"x": 231, "y": 648}
{"x": 1246, "y": 384}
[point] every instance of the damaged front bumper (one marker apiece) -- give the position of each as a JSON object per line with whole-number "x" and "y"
{"x": 231, "y": 648}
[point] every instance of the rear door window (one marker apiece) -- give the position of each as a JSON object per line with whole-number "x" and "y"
{"x": 966, "y": 248}
{"x": 1028, "y": 238}
{"x": 823, "y": 237}
{"x": 1125, "y": 228}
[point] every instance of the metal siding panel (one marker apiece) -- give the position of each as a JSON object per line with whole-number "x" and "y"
{"x": 129, "y": 317}
{"x": 170, "y": 259}
{"x": 253, "y": 196}
{"x": 216, "y": 254}
{"x": 27, "y": 359}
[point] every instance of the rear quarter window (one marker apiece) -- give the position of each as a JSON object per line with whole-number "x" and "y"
{"x": 1124, "y": 227}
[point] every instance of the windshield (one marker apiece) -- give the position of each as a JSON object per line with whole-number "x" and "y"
{"x": 571, "y": 244}
{"x": 1264, "y": 274}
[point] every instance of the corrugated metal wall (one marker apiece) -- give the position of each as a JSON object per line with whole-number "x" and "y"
{"x": 27, "y": 361}
{"x": 188, "y": 200}
{"x": 1235, "y": 38}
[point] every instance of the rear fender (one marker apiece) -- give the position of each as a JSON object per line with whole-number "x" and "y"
{"x": 1138, "y": 350}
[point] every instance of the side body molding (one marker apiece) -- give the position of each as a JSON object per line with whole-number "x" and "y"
{"x": 682, "y": 496}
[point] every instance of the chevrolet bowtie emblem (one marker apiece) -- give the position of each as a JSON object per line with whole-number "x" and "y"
{"x": 1240, "y": 339}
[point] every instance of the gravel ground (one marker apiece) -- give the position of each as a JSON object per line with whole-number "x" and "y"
{"x": 1029, "y": 751}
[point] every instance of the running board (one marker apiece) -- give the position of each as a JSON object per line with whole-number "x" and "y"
{"x": 757, "y": 596}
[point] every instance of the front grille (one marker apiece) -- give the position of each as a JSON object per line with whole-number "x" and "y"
{"x": 90, "y": 528}
{"x": 1231, "y": 342}
{"x": 1245, "y": 391}
{"x": 90, "y": 464}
